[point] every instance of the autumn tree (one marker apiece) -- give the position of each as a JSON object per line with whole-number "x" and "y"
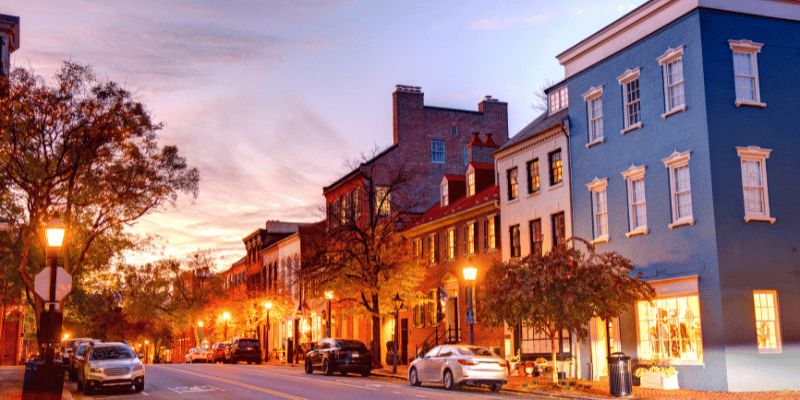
{"x": 561, "y": 290}
{"x": 86, "y": 150}
{"x": 362, "y": 256}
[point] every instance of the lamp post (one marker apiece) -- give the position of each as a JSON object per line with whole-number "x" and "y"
{"x": 470, "y": 273}
{"x": 54, "y": 232}
{"x": 397, "y": 302}
{"x": 200, "y": 333}
{"x": 145, "y": 351}
{"x": 268, "y": 306}
{"x": 226, "y": 316}
{"x": 329, "y": 296}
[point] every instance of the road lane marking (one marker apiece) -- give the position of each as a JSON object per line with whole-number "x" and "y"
{"x": 317, "y": 380}
{"x": 272, "y": 392}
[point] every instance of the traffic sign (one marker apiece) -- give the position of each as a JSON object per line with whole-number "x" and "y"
{"x": 63, "y": 284}
{"x": 470, "y": 317}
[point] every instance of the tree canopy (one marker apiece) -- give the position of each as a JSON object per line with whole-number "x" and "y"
{"x": 561, "y": 290}
{"x": 86, "y": 150}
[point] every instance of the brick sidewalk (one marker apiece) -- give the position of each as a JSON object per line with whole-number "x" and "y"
{"x": 600, "y": 390}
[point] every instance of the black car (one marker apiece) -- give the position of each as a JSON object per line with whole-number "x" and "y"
{"x": 244, "y": 349}
{"x": 342, "y": 355}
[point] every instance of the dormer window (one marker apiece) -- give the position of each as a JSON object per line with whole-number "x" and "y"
{"x": 557, "y": 99}
{"x": 471, "y": 184}
{"x": 445, "y": 197}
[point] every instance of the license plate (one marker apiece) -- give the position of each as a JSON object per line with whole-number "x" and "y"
{"x": 249, "y": 348}
{"x": 356, "y": 355}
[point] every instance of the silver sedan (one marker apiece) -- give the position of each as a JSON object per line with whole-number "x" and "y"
{"x": 457, "y": 365}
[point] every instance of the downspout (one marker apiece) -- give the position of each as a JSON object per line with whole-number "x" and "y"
{"x": 565, "y": 131}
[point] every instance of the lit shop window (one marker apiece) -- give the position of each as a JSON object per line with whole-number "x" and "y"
{"x": 670, "y": 329}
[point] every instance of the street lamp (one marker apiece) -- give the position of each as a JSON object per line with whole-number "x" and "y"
{"x": 54, "y": 233}
{"x": 145, "y": 351}
{"x": 470, "y": 273}
{"x": 329, "y": 296}
{"x": 397, "y": 302}
{"x": 268, "y": 306}
{"x": 226, "y": 316}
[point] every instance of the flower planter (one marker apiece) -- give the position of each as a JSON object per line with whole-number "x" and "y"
{"x": 529, "y": 371}
{"x": 657, "y": 380}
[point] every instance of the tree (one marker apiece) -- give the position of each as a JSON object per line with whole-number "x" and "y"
{"x": 88, "y": 151}
{"x": 561, "y": 290}
{"x": 362, "y": 257}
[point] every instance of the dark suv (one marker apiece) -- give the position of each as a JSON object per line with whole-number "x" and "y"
{"x": 244, "y": 349}
{"x": 342, "y": 355}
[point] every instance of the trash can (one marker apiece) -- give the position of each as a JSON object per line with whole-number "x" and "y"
{"x": 619, "y": 375}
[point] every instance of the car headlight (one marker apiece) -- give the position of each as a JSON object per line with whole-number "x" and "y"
{"x": 95, "y": 370}
{"x": 138, "y": 367}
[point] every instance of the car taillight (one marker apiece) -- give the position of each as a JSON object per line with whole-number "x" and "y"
{"x": 340, "y": 354}
{"x": 466, "y": 362}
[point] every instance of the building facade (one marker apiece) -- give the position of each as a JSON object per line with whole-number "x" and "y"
{"x": 681, "y": 112}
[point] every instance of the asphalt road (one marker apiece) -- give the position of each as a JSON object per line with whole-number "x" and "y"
{"x": 223, "y": 381}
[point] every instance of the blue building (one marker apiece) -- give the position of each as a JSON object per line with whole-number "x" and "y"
{"x": 684, "y": 148}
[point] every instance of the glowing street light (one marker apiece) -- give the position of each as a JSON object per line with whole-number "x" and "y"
{"x": 226, "y": 316}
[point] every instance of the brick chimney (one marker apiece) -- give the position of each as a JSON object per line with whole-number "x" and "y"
{"x": 496, "y": 115}
{"x": 408, "y": 103}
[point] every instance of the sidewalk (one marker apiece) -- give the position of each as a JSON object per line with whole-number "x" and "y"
{"x": 600, "y": 390}
{"x": 11, "y": 387}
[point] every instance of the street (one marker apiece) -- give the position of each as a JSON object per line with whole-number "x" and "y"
{"x": 222, "y": 381}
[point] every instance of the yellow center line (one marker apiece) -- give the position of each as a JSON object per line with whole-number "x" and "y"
{"x": 279, "y": 394}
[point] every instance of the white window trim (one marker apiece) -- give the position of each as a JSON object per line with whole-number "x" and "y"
{"x": 674, "y": 161}
{"x": 597, "y": 185}
{"x": 747, "y": 46}
{"x": 631, "y": 174}
{"x": 445, "y": 194}
{"x": 594, "y": 93}
{"x": 669, "y": 56}
{"x": 471, "y": 176}
{"x": 451, "y": 233}
{"x": 471, "y": 238}
{"x": 778, "y": 338}
{"x": 628, "y": 76}
{"x": 444, "y": 152}
{"x": 755, "y": 153}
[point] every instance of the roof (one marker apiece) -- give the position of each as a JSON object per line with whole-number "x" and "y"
{"x": 454, "y": 177}
{"x": 490, "y": 194}
{"x": 482, "y": 165}
{"x": 541, "y": 124}
{"x": 353, "y": 173}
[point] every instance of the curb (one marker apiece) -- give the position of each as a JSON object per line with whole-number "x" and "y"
{"x": 66, "y": 394}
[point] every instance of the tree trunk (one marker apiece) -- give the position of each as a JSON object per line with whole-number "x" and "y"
{"x": 2, "y": 325}
{"x": 376, "y": 332}
{"x": 553, "y": 349}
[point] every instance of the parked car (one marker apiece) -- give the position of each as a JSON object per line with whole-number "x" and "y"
{"x": 76, "y": 359}
{"x": 244, "y": 349}
{"x": 197, "y": 354}
{"x": 457, "y": 365}
{"x": 110, "y": 365}
{"x": 218, "y": 352}
{"x": 68, "y": 348}
{"x": 342, "y": 355}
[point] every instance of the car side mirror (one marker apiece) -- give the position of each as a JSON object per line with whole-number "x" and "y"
{"x": 141, "y": 356}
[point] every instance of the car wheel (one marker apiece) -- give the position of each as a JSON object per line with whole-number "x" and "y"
{"x": 327, "y": 368}
{"x": 413, "y": 378}
{"x": 365, "y": 373}
{"x": 309, "y": 369}
{"x": 138, "y": 387}
{"x": 495, "y": 387}
{"x": 448, "y": 381}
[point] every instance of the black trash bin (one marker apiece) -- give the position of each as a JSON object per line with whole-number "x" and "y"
{"x": 619, "y": 375}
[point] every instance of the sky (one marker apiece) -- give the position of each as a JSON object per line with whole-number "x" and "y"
{"x": 270, "y": 99}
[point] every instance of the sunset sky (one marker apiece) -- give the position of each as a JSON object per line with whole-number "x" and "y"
{"x": 269, "y": 99}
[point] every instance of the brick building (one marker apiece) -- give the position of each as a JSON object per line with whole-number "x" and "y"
{"x": 458, "y": 231}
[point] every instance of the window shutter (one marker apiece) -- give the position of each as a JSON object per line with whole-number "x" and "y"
{"x": 486, "y": 235}
{"x": 436, "y": 247}
{"x": 497, "y": 230}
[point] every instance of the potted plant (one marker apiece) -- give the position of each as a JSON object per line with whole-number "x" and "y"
{"x": 513, "y": 362}
{"x": 657, "y": 374}
{"x": 541, "y": 364}
{"x": 529, "y": 368}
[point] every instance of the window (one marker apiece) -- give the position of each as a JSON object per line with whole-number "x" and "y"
{"x": 437, "y": 152}
{"x": 669, "y": 328}
{"x": 630, "y": 100}
{"x": 558, "y": 99}
{"x": 533, "y": 175}
{"x": 471, "y": 232}
{"x": 559, "y": 229}
{"x": 418, "y": 249}
{"x": 491, "y": 240}
{"x": 539, "y": 343}
{"x": 382, "y": 200}
{"x": 556, "y": 168}
{"x": 680, "y": 188}
{"x": 451, "y": 243}
{"x": 513, "y": 233}
{"x": 768, "y": 327}
{"x": 432, "y": 245}
{"x": 445, "y": 195}
{"x": 637, "y": 206}
{"x": 672, "y": 67}
{"x": 454, "y": 131}
{"x": 745, "y": 72}
{"x": 512, "y": 183}
{"x": 594, "y": 110}
{"x": 754, "y": 183}
{"x": 599, "y": 209}
{"x": 419, "y": 316}
{"x": 471, "y": 184}
{"x": 535, "y": 228}
{"x": 466, "y": 156}
{"x": 433, "y": 319}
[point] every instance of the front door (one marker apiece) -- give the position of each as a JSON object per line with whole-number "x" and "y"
{"x": 452, "y": 320}
{"x": 605, "y": 341}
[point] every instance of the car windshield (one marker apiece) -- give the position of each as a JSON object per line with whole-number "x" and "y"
{"x": 111, "y": 353}
{"x": 351, "y": 344}
{"x": 248, "y": 342}
{"x": 475, "y": 351}
{"x": 80, "y": 350}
